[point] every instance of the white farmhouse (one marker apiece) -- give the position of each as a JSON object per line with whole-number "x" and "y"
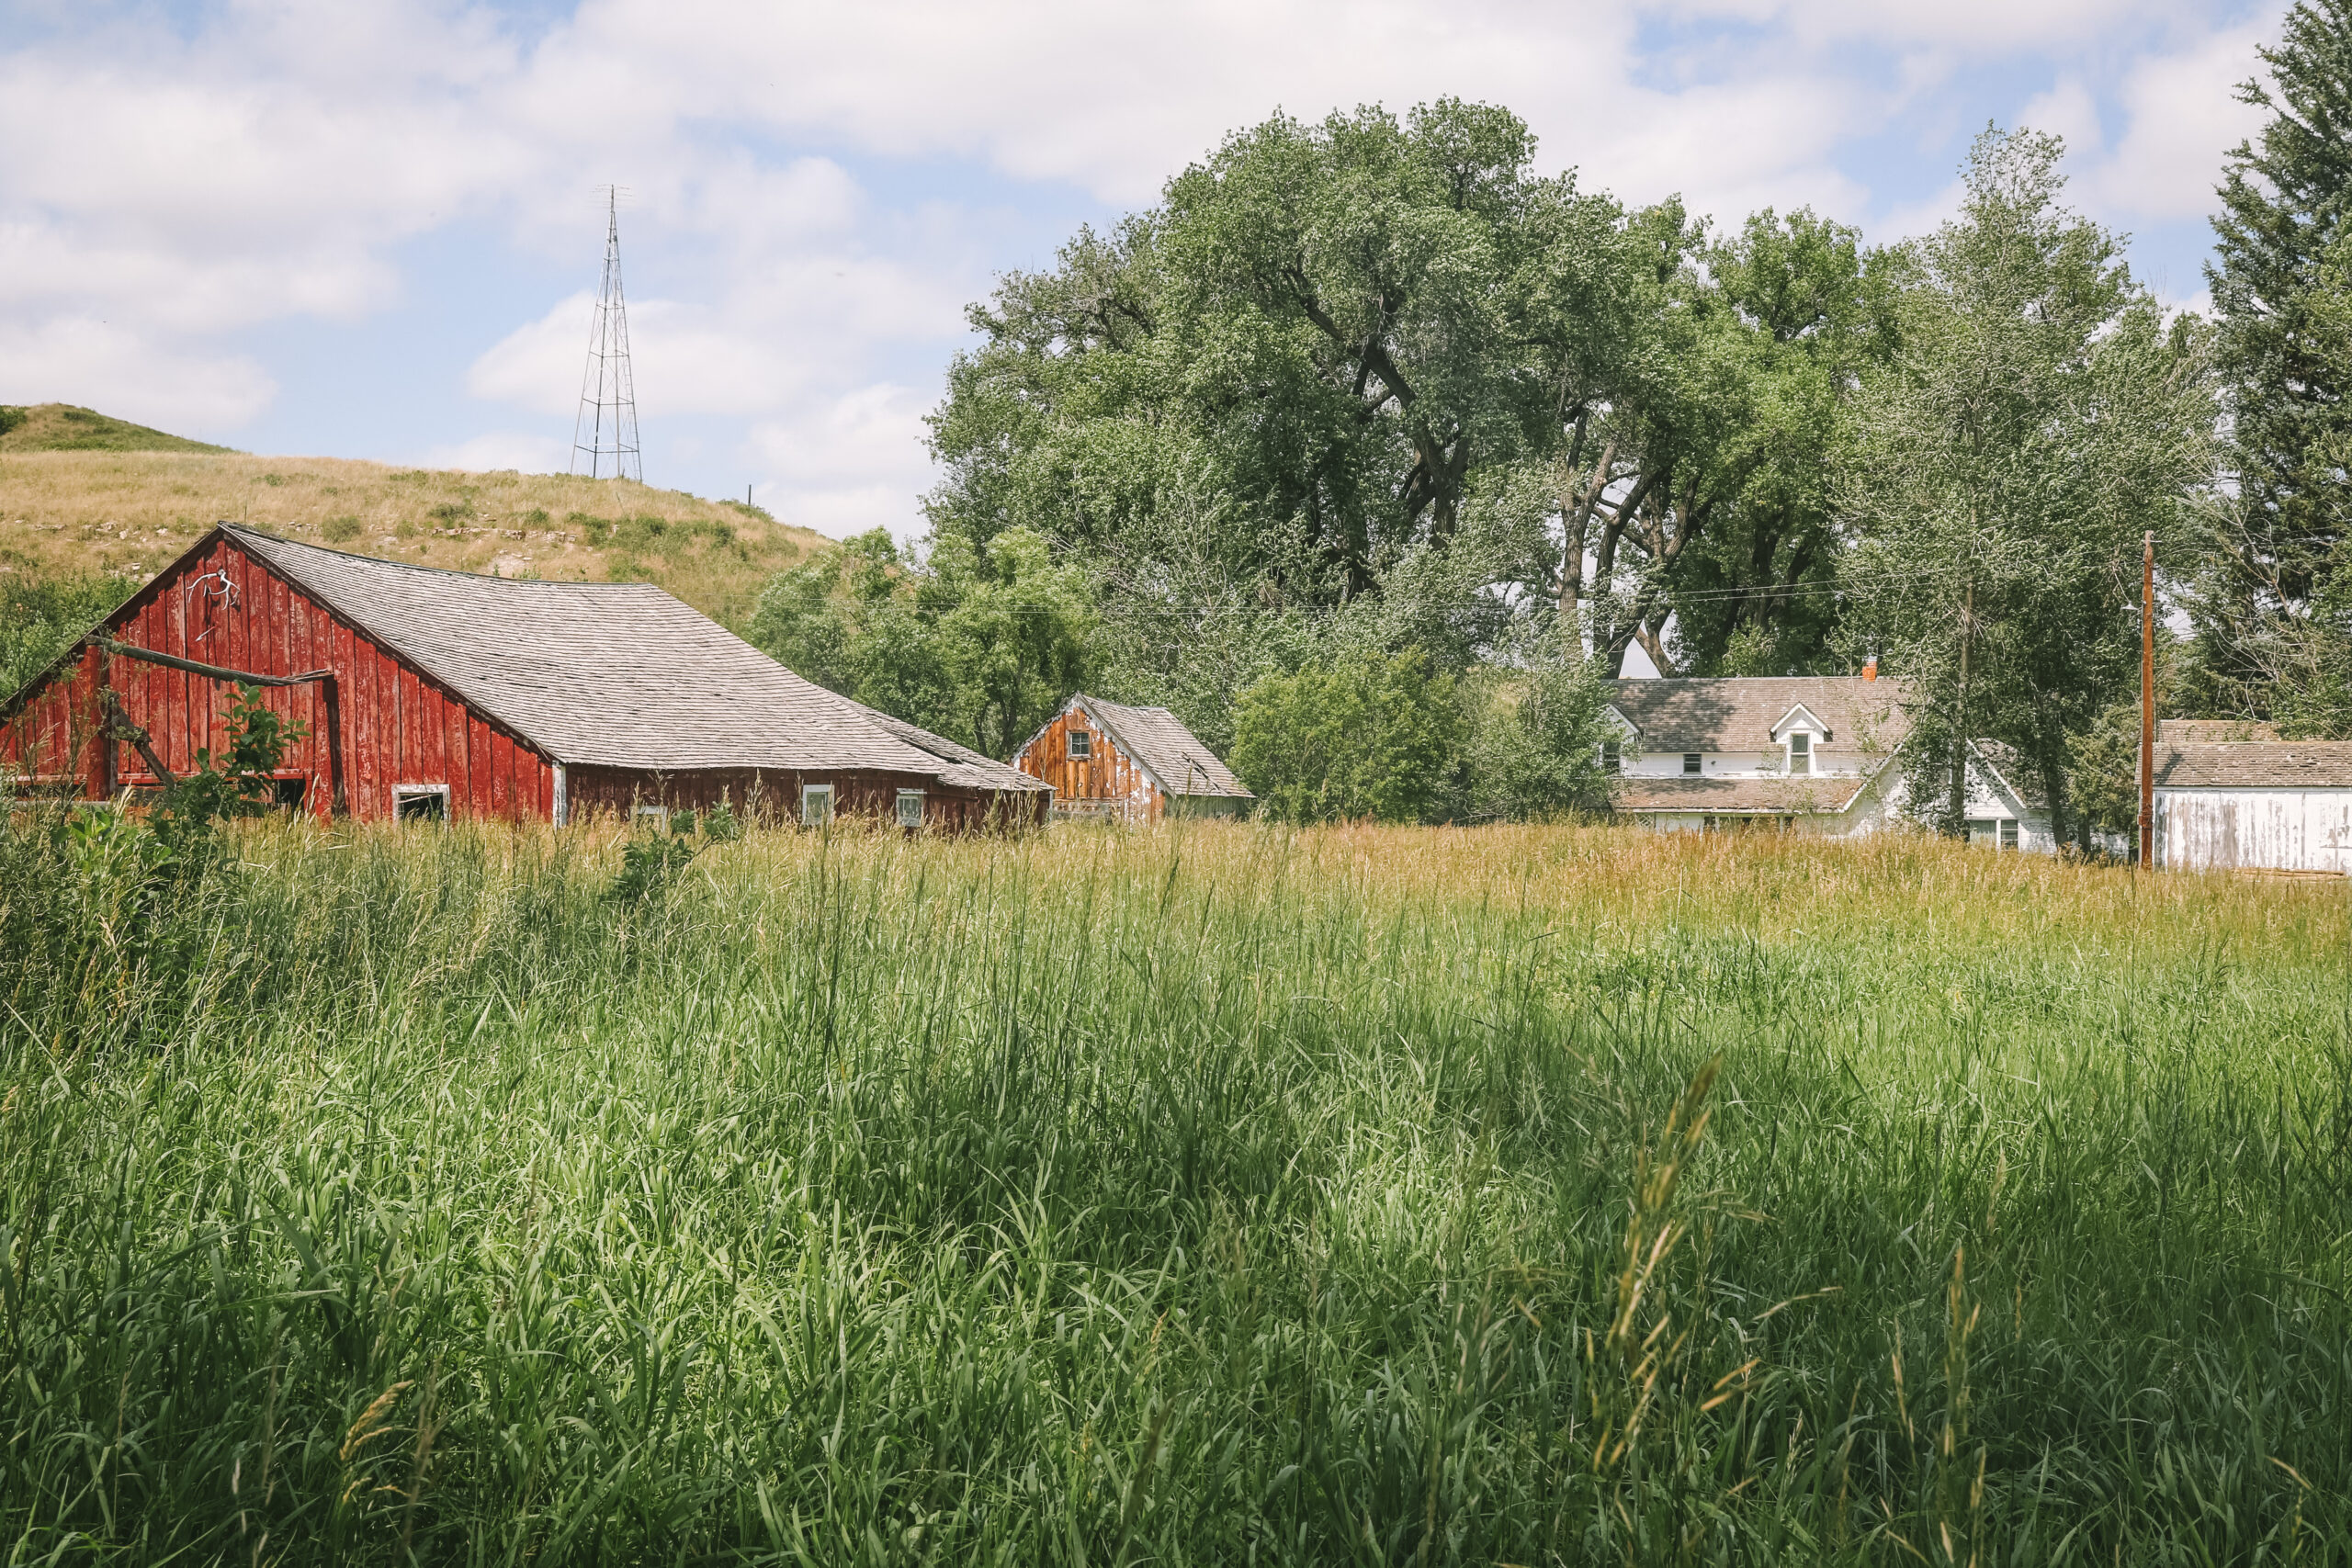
{"x": 1800, "y": 753}
{"x": 2237, "y": 797}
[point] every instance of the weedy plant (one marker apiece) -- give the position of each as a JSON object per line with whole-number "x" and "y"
{"x": 1210, "y": 1195}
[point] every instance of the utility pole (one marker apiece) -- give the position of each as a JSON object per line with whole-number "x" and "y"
{"x": 2148, "y": 700}
{"x": 1960, "y": 742}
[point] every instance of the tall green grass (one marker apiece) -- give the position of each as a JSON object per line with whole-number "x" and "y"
{"x": 1213, "y": 1196}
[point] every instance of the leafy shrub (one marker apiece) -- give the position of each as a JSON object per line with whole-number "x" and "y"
{"x": 339, "y": 529}
{"x": 1371, "y": 737}
{"x": 39, "y": 618}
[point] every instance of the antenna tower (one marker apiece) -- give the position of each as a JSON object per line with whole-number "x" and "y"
{"x": 607, "y": 416}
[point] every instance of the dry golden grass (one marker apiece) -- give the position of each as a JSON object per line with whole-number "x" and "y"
{"x": 130, "y": 513}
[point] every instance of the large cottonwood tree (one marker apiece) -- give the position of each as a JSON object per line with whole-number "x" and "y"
{"x": 2040, "y": 414}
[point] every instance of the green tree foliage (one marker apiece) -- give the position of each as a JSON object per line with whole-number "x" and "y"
{"x": 42, "y": 617}
{"x": 2040, "y": 416}
{"x": 1533, "y": 735}
{"x": 981, "y": 641}
{"x": 1374, "y": 737}
{"x": 1801, "y": 311}
{"x": 1332, "y": 349}
{"x": 2270, "y": 606}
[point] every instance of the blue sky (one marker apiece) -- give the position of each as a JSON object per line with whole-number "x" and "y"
{"x": 371, "y": 229}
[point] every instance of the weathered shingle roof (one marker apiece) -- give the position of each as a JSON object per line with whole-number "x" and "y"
{"x": 1169, "y": 752}
{"x": 613, "y": 675}
{"x": 2192, "y": 730}
{"x": 1737, "y": 713}
{"x": 2255, "y": 764}
{"x": 1776, "y": 796}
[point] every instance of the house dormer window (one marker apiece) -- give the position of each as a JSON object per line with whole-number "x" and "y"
{"x": 1690, "y": 763}
{"x": 1800, "y": 753}
{"x": 1612, "y": 758}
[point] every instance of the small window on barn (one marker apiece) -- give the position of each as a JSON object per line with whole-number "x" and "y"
{"x": 2008, "y": 832}
{"x": 816, "y": 805}
{"x": 659, "y": 815}
{"x": 1690, "y": 761}
{"x": 1081, "y": 745}
{"x": 1801, "y": 752}
{"x": 285, "y": 795}
{"x": 421, "y": 803}
{"x": 1612, "y": 758}
{"x": 911, "y": 808}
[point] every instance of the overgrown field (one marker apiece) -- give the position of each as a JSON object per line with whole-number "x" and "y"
{"x": 1211, "y": 1195}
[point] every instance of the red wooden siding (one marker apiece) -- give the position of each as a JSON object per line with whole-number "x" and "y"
{"x": 776, "y": 796}
{"x": 223, "y": 607}
{"x": 1106, "y": 782}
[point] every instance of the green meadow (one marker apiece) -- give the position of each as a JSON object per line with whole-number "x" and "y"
{"x": 1216, "y": 1195}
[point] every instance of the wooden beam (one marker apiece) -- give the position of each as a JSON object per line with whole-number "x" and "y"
{"x": 216, "y": 671}
{"x": 325, "y": 678}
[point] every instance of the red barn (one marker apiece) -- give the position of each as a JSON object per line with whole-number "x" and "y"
{"x": 440, "y": 693}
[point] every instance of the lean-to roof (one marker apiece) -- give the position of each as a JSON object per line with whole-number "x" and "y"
{"x": 613, "y": 675}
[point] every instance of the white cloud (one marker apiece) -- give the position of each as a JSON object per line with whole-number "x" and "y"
{"x": 501, "y": 449}
{"x": 1981, "y": 29}
{"x": 80, "y": 359}
{"x": 2182, "y": 117}
{"x": 267, "y": 162}
{"x": 850, "y": 464}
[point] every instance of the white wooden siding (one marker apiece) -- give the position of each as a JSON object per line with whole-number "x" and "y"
{"x": 2281, "y": 829}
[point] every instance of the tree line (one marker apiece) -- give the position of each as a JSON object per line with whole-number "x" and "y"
{"x": 1372, "y": 453}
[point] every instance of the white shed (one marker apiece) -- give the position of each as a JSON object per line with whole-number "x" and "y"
{"x": 2247, "y": 805}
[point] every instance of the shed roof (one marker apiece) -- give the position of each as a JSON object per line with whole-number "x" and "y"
{"x": 1739, "y": 713}
{"x": 1172, "y": 754}
{"x": 613, "y": 675}
{"x": 2255, "y": 764}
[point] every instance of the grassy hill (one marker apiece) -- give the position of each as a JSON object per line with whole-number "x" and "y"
{"x": 62, "y": 427}
{"x": 68, "y": 510}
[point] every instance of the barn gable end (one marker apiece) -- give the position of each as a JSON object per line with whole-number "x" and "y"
{"x": 221, "y": 604}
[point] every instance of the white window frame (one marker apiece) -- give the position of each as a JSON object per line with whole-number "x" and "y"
{"x": 1612, "y": 756}
{"x": 2008, "y": 834}
{"x": 660, "y": 815}
{"x": 405, "y": 793}
{"x": 913, "y": 798}
{"x": 811, "y": 814}
{"x": 1803, "y": 753}
{"x": 1081, "y": 744}
{"x": 1693, "y": 763}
